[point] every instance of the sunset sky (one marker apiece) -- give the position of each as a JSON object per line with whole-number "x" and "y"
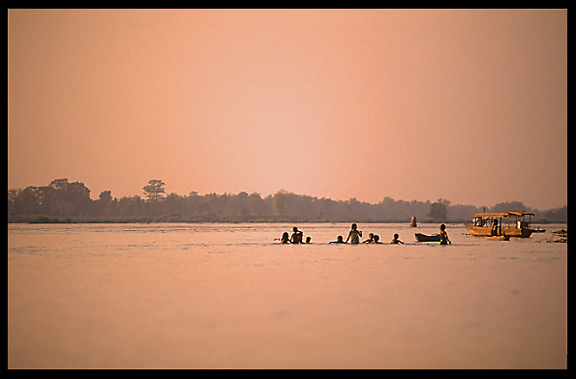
{"x": 466, "y": 105}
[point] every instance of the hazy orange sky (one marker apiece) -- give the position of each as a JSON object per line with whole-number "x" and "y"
{"x": 467, "y": 105}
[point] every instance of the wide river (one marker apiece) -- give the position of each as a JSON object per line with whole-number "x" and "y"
{"x": 228, "y": 296}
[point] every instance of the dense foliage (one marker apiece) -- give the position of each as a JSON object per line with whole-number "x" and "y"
{"x": 64, "y": 201}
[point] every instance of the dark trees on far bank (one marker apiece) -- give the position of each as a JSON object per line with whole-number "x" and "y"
{"x": 62, "y": 200}
{"x": 439, "y": 210}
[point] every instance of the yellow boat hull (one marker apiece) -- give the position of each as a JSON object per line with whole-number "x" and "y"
{"x": 487, "y": 232}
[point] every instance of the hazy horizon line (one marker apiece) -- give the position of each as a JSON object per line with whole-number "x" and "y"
{"x": 284, "y": 191}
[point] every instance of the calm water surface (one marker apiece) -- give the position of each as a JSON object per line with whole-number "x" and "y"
{"x": 227, "y": 295}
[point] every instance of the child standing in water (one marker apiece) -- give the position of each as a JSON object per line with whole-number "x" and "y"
{"x": 444, "y": 240}
{"x": 354, "y": 235}
{"x": 296, "y": 236}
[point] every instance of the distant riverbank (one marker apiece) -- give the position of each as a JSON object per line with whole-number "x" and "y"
{"x": 70, "y": 202}
{"x": 199, "y": 220}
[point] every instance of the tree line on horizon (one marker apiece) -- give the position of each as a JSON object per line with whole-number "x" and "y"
{"x": 64, "y": 201}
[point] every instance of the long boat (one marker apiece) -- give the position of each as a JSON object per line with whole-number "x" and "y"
{"x": 511, "y": 223}
{"x": 426, "y": 238}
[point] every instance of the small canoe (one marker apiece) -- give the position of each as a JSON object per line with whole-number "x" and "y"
{"x": 498, "y": 238}
{"x": 425, "y": 238}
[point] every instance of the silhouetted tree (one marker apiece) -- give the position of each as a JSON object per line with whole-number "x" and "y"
{"x": 279, "y": 202}
{"x": 62, "y": 198}
{"x": 556, "y": 214}
{"x": 102, "y": 205}
{"x": 154, "y": 190}
{"x": 510, "y": 206}
{"x": 23, "y": 202}
{"x": 438, "y": 210}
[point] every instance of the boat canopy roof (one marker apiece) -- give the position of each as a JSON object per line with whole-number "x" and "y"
{"x": 505, "y": 214}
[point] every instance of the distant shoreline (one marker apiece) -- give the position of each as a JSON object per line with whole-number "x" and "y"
{"x": 56, "y": 220}
{"x": 69, "y": 202}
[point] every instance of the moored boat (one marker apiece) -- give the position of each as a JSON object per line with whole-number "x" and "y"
{"x": 511, "y": 223}
{"x": 560, "y": 235}
{"x": 426, "y": 238}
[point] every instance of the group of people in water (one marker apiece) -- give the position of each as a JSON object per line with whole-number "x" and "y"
{"x": 354, "y": 236}
{"x": 296, "y": 237}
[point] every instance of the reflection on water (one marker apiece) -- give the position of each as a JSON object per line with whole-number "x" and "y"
{"x": 227, "y": 295}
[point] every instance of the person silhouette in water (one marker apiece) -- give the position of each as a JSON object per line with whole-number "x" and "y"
{"x": 395, "y": 240}
{"x": 285, "y": 238}
{"x": 340, "y": 239}
{"x": 444, "y": 240}
{"x": 354, "y": 235}
{"x": 370, "y": 238}
{"x": 296, "y": 236}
